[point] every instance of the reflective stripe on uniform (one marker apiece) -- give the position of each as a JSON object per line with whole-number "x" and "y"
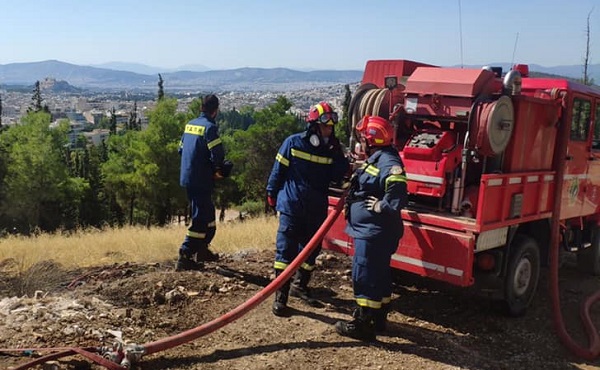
{"x": 370, "y": 169}
{"x": 193, "y": 234}
{"x": 280, "y": 265}
{"x": 307, "y": 267}
{"x": 214, "y": 143}
{"x": 394, "y": 178}
{"x": 364, "y": 302}
{"x": 195, "y": 129}
{"x": 310, "y": 157}
{"x": 283, "y": 160}
{"x": 386, "y": 300}
{"x": 212, "y": 224}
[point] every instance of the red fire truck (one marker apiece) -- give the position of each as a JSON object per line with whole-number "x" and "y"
{"x": 484, "y": 153}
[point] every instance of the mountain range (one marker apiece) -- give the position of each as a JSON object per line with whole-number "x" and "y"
{"x": 118, "y": 75}
{"x": 251, "y": 79}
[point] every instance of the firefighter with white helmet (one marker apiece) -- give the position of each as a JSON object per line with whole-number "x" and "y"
{"x": 377, "y": 194}
{"x": 298, "y": 185}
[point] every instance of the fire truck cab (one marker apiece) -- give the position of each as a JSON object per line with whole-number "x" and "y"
{"x": 484, "y": 151}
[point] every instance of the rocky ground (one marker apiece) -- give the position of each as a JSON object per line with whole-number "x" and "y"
{"x": 433, "y": 326}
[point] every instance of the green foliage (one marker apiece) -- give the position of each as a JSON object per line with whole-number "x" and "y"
{"x": 36, "y": 99}
{"x": 134, "y": 123}
{"x": 158, "y": 161}
{"x": 113, "y": 122}
{"x": 161, "y": 91}
{"x": 142, "y": 169}
{"x": 47, "y": 184}
{"x": 119, "y": 171}
{"x": 253, "y": 151}
{"x": 38, "y": 191}
{"x": 342, "y": 129}
{"x": 252, "y": 207}
{"x": 194, "y": 108}
{"x": 232, "y": 120}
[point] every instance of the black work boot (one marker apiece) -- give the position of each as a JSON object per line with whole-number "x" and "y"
{"x": 300, "y": 289}
{"x": 280, "y": 307}
{"x": 206, "y": 255}
{"x": 362, "y": 327}
{"x": 187, "y": 263}
{"x": 380, "y": 317}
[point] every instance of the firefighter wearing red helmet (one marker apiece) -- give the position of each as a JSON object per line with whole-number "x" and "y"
{"x": 377, "y": 194}
{"x": 305, "y": 165}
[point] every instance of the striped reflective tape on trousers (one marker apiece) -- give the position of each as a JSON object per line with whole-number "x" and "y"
{"x": 280, "y": 265}
{"x": 193, "y": 234}
{"x": 364, "y": 302}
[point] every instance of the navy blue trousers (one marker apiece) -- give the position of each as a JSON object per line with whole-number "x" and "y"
{"x": 292, "y": 236}
{"x": 203, "y": 226}
{"x": 371, "y": 271}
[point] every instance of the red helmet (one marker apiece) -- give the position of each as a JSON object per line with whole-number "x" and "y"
{"x": 322, "y": 113}
{"x": 376, "y": 130}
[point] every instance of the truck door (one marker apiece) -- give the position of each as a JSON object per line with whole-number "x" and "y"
{"x": 578, "y": 154}
{"x": 592, "y": 194}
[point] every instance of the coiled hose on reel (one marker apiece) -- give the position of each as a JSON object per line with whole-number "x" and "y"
{"x": 367, "y": 100}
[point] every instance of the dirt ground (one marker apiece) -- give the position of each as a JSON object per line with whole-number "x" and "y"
{"x": 433, "y": 326}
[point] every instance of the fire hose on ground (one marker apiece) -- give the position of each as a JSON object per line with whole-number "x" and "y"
{"x": 120, "y": 357}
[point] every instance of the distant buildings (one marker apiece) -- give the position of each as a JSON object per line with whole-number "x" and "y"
{"x": 86, "y": 110}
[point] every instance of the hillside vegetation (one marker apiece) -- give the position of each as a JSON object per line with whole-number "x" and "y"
{"x": 134, "y": 244}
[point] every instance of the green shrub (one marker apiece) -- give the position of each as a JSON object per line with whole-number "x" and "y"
{"x": 252, "y": 208}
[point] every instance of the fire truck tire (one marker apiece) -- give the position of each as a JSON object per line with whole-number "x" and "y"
{"x": 522, "y": 275}
{"x": 588, "y": 260}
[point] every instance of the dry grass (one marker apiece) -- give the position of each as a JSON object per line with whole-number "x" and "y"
{"x": 130, "y": 244}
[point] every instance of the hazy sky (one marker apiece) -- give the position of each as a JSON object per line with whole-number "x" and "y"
{"x": 338, "y": 34}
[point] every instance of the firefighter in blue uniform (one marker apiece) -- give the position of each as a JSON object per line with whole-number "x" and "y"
{"x": 298, "y": 188}
{"x": 202, "y": 162}
{"x": 376, "y": 196}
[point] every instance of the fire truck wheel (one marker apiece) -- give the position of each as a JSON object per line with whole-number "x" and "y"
{"x": 588, "y": 260}
{"x": 523, "y": 272}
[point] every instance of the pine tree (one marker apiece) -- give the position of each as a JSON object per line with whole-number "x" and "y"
{"x": 37, "y": 165}
{"x": 161, "y": 91}
{"x": 113, "y": 121}
{"x": 346, "y": 112}
{"x": 586, "y": 59}
{"x": 132, "y": 124}
{"x": 36, "y": 99}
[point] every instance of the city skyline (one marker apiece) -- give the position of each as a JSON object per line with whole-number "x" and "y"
{"x": 338, "y": 35}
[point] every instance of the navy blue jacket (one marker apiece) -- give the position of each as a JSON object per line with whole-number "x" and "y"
{"x": 201, "y": 153}
{"x": 382, "y": 176}
{"x": 301, "y": 175}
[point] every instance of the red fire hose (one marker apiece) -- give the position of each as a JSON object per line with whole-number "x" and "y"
{"x": 259, "y": 297}
{"x": 593, "y": 351}
{"x": 123, "y": 358}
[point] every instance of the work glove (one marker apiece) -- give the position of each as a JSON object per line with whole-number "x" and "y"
{"x": 373, "y": 204}
{"x": 226, "y": 169}
{"x": 223, "y": 171}
{"x": 271, "y": 201}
